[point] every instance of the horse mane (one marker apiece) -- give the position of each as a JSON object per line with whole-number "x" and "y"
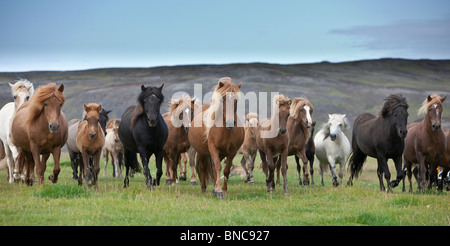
{"x": 22, "y": 83}
{"x": 297, "y": 104}
{"x": 36, "y": 102}
{"x": 139, "y": 109}
{"x": 219, "y": 91}
{"x": 174, "y": 103}
{"x": 391, "y": 103}
{"x": 435, "y": 99}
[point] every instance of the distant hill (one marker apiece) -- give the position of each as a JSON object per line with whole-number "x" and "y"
{"x": 349, "y": 87}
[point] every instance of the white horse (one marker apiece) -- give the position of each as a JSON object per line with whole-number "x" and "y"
{"x": 22, "y": 90}
{"x": 332, "y": 146}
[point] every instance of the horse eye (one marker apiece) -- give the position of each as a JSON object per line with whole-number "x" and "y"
{"x": 28, "y": 98}
{"x": 15, "y": 97}
{"x": 60, "y": 105}
{"x": 45, "y": 104}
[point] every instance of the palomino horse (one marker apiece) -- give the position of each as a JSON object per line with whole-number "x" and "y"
{"x": 113, "y": 147}
{"x": 22, "y": 90}
{"x": 271, "y": 147}
{"x": 332, "y": 146}
{"x": 40, "y": 128}
{"x": 425, "y": 143}
{"x": 381, "y": 137}
{"x": 249, "y": 148}
{"x": 90, "y": 141}
{"x": 298, "y": 125}
{"x": 143, "y": 130}
{"x": 72, "y": 138}
{"x": 178, "y": 121}
{"x": 220, "y": 135}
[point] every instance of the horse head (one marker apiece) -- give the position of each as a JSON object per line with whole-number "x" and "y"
{"x": 303, "y": 109}
{"x": 336, "y": 123}
{"x": 251, "y": 122}
{"x": 151, "y": 99}
{"x": 224, "y": 103}
{"x": 22, "y": 90}
{"x": 395, "y": 107}
{"x": 284, "y": 106}
{"x": 434, "y": 110}
{"x": 181, "y": 110}
{"x": 92, "y": 117}
{"x": 49, "y": 101}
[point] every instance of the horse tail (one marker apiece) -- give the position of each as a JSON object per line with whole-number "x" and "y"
{"x": 204, "y": 168}
{"x": 356, "y": 162}
{"x": 131, "y": 161}
{"x": 2, "y": 150}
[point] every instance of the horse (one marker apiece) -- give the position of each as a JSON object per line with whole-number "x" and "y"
{"x": 90, "y": 141}
{"x": 40, "y": 128}
{"x": 220, "y": 135}
{"x": 249, "y": 148}
{"x": 143, "y": 130}
{"x": 332, "y": 146}
{"x": 310, "y": 151}
{"x": 425, "y": 143}
{"x": 71, "y": 144}
{"x": 298, "y": 126}
{"x": 113, "y": 147}
{"x": 22, "y": 90}
{"x": 381, "y": 137}
{"x": 273, "y": 142}
{"x": 179, "y": 115}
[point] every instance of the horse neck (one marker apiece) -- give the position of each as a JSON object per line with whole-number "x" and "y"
{"x": 298, "y": 126}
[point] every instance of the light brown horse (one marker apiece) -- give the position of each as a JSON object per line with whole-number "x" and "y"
{"x": 298, "y": 127}
{"x": 425, "y": 143}
{"x": 90, "y": 142}
{"x": 40, "y": 128}
{"x": 273, "y": 142}
{"x": 114, "y": 147}
{"x": 178, "y": 120}
{"x": 219, "y": 135}
{"x": 249, "y": 148}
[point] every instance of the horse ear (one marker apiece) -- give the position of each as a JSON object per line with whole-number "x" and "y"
{"x": 85, "y": 107}
{"x": 443, "y": 99}
{"x": 239, "y": 85}
{"x": 61, "y": 88}
{"x": 160, "y": 88}
{"x": 12, "y": 86}
{"x": 99, "y": 108}
{"x": 108, "y": 111}
{"x": 221, "y": 84}
{"x": 429, "y": 98}
{"x": 329, "y": 116}
{"x": 143, "y": 88}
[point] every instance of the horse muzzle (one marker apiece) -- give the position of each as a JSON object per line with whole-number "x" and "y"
{"x": 333, "y": 137}
{"x": 282, "y": 131}
{"x": 230, "y": 124}
{"x": 53, "y": 128}
{"x": 435, "y": 127}
{"x": 402, "y": 133}
{"x": 92, "y": 135}
{"x": 151, "y": 123}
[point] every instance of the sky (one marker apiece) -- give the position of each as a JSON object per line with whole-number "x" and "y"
{"x": 84, "y": 34}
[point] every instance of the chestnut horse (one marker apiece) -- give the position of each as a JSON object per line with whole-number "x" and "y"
{"x": 143, "y": 130}
{"x": 178, "y": 120}
{"x": 249, "y": 148}
{"x": 22, "y": 90}
{"x": 273, "y": 142}
{"x": 381, "y": 137}
{"x": 40, "y": 128}
{"x": 220, "y": 134}
{"x": 425, "y": 143}
{"x": 90, "y": 141}
{"x": 298, "y": 126}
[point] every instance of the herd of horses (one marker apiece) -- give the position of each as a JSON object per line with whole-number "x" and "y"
{"x": 34, "y": 125}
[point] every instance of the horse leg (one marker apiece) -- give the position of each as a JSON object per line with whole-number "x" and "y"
{"x": 183, "y": 171}
{"x": 10, "y": 163}
{"x": 202, "y": 169}
{"x": 105, "y": 156}
{"x": 86, "y": 168}
{"x": 168, "y": 168}
{"x": 283, "y": 158}
{"x": 226, "y": 171}
{"x": 311, "y": 169}
{"x": 264, "y": 162}
{"x": 341, "y": 172}
{"x": 81, "y": 165}
{"x": 40, "y": 169}
{"x": 305, "y": 167}
{"x": 383, "y": 168}
{"x": 398, "y": 168}
{"x": 148, "y": 176}
{"x": 321, "y": 173}
{"x": 251, "y": 166}
{"x": 333, "y": 170}
{"x": 422, "y": 171}
{"x": 271, "y": 166}
{"x": 159, "y": 172}
{"x": 112, "y": 164}
{"x": 116, "y": 159}
{"x": 217, "y": 168}
{"x": 299, "y": 168}
{"x": 175, "y": 161}
{"x": 244, "y": 161}
{"x": 128, "y": 156}
{"x": 277, "y": 160}
{"x": 191, "y": 154}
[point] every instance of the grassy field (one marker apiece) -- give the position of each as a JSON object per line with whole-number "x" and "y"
{"x": 66, "y": 203}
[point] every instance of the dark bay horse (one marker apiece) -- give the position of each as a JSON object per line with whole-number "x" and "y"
{"x": 90, "y": 141}
{"x": 218, "y": 135}
{"x": 381, "y": 137}
{"x": 425, "y": 143}
{"x": 40, "y": 128}
{"x": 273, "y": 141}
{"x": 143, "y": 130}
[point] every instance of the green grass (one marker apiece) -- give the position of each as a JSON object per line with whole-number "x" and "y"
{"x": 66, "y": 203}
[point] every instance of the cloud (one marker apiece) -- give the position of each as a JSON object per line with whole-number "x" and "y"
{"x": 408, "y": 38}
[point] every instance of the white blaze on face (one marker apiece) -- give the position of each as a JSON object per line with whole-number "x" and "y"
{"x": 308, "y": 115}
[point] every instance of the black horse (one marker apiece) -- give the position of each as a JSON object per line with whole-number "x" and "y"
{"x": 381, "y": 137}
{"x": 143, "y": 130}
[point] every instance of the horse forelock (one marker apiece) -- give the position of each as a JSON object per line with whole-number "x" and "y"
{"x": 297, "y": 104}
{"x": 392, "y": 102}
{"x": 22, "y": 84}
{"x": 42, "y": 94}
{"x": 435, "y": 100}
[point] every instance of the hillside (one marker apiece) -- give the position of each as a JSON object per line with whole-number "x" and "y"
{"x": 349, "y": 87}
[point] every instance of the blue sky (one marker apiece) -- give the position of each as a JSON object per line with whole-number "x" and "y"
{"x": 82, "y": 34}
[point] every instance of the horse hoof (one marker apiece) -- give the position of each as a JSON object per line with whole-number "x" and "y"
{"x": 219, "y": 195}
{"x": 193, "y": 182}
{"x": 168, "y": 182}
{"x": 183, "y": 178}
{"x": 52, "y": 178}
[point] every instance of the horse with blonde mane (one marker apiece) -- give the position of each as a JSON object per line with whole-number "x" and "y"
{"x": 40, "y": 128}
{"x": 249, "y": 148}
{"x": 219, "y": 135}
{"x": 273, "y": 142}
{"x": 178, "y": 121}
{"x": 22, "y": 90}
{"x": 114, "y": 147}
{"x": 425, "y": 143}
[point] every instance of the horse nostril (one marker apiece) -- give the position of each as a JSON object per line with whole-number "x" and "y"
{"x": 283, "y": 131}
{"x": 92, "y": 135}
